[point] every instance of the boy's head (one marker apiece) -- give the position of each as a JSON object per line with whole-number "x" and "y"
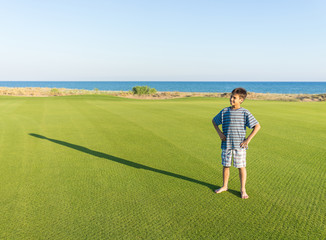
{"x": 238, "y": 95}
{"x": 241, "y": 92}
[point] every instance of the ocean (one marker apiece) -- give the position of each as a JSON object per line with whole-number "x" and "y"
{"x": 180, "y": 86}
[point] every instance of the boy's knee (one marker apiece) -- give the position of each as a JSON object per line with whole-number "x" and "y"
{"x": 242, "y": 169}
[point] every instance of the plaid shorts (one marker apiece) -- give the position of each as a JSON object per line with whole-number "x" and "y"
{"x": 239, "y": 157}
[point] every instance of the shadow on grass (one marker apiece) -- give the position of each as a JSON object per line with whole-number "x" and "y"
{"x": 130, "y": 163}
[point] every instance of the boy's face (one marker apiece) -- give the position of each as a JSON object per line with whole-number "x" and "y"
{"x": 235, "y": 100}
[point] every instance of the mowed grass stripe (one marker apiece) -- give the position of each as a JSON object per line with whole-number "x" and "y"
{"x": 27, "y": 172}
{"x": 84, "y": 192}
{"x": 60, "y": 183}
{"x": 20, "y": 168}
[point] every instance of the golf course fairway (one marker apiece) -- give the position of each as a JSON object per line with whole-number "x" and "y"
{"x": 103, "y": 167}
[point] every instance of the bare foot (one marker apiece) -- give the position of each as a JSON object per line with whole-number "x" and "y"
{"x": 222, "y": 189}
{"x": 244, "y": 195}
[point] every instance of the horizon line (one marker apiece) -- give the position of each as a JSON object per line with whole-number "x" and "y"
{"x": 163, "y": 81}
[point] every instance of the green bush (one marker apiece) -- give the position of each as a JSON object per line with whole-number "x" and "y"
{"x": 143, "y": 90}
{"x": 55, "y": 91}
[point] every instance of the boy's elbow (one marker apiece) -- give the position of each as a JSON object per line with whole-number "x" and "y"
{"x": 214, "y": 123}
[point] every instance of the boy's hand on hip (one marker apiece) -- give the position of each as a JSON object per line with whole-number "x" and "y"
{"x": 222, "y": 137}
{"x": 245, "y": 143}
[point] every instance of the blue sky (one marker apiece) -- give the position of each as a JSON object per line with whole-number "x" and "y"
{"x": 207, "y": 40}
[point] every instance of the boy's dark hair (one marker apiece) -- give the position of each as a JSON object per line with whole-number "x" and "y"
{"x": 241, "y": 92}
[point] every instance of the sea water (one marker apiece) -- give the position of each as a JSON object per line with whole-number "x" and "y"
{"x": 180, "y": 86}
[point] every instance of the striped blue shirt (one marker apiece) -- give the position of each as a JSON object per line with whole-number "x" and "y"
{"x": 234, "y": 123}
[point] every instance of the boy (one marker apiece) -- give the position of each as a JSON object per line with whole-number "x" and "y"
{"x": 234, "y": 121}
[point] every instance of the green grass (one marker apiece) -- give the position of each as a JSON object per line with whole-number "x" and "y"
{"x": 105, "y": 167}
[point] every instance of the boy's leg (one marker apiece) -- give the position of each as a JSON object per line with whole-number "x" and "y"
{"x": 226, "y": 162}
{"x": 226, "y": 174}
{"x": 243, "y": 178}
{"x": 240, "y": 163}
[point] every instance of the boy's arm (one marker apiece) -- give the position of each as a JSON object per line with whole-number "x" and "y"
{"x": 245, "y": 143}
{"x": 221, "y": 135}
